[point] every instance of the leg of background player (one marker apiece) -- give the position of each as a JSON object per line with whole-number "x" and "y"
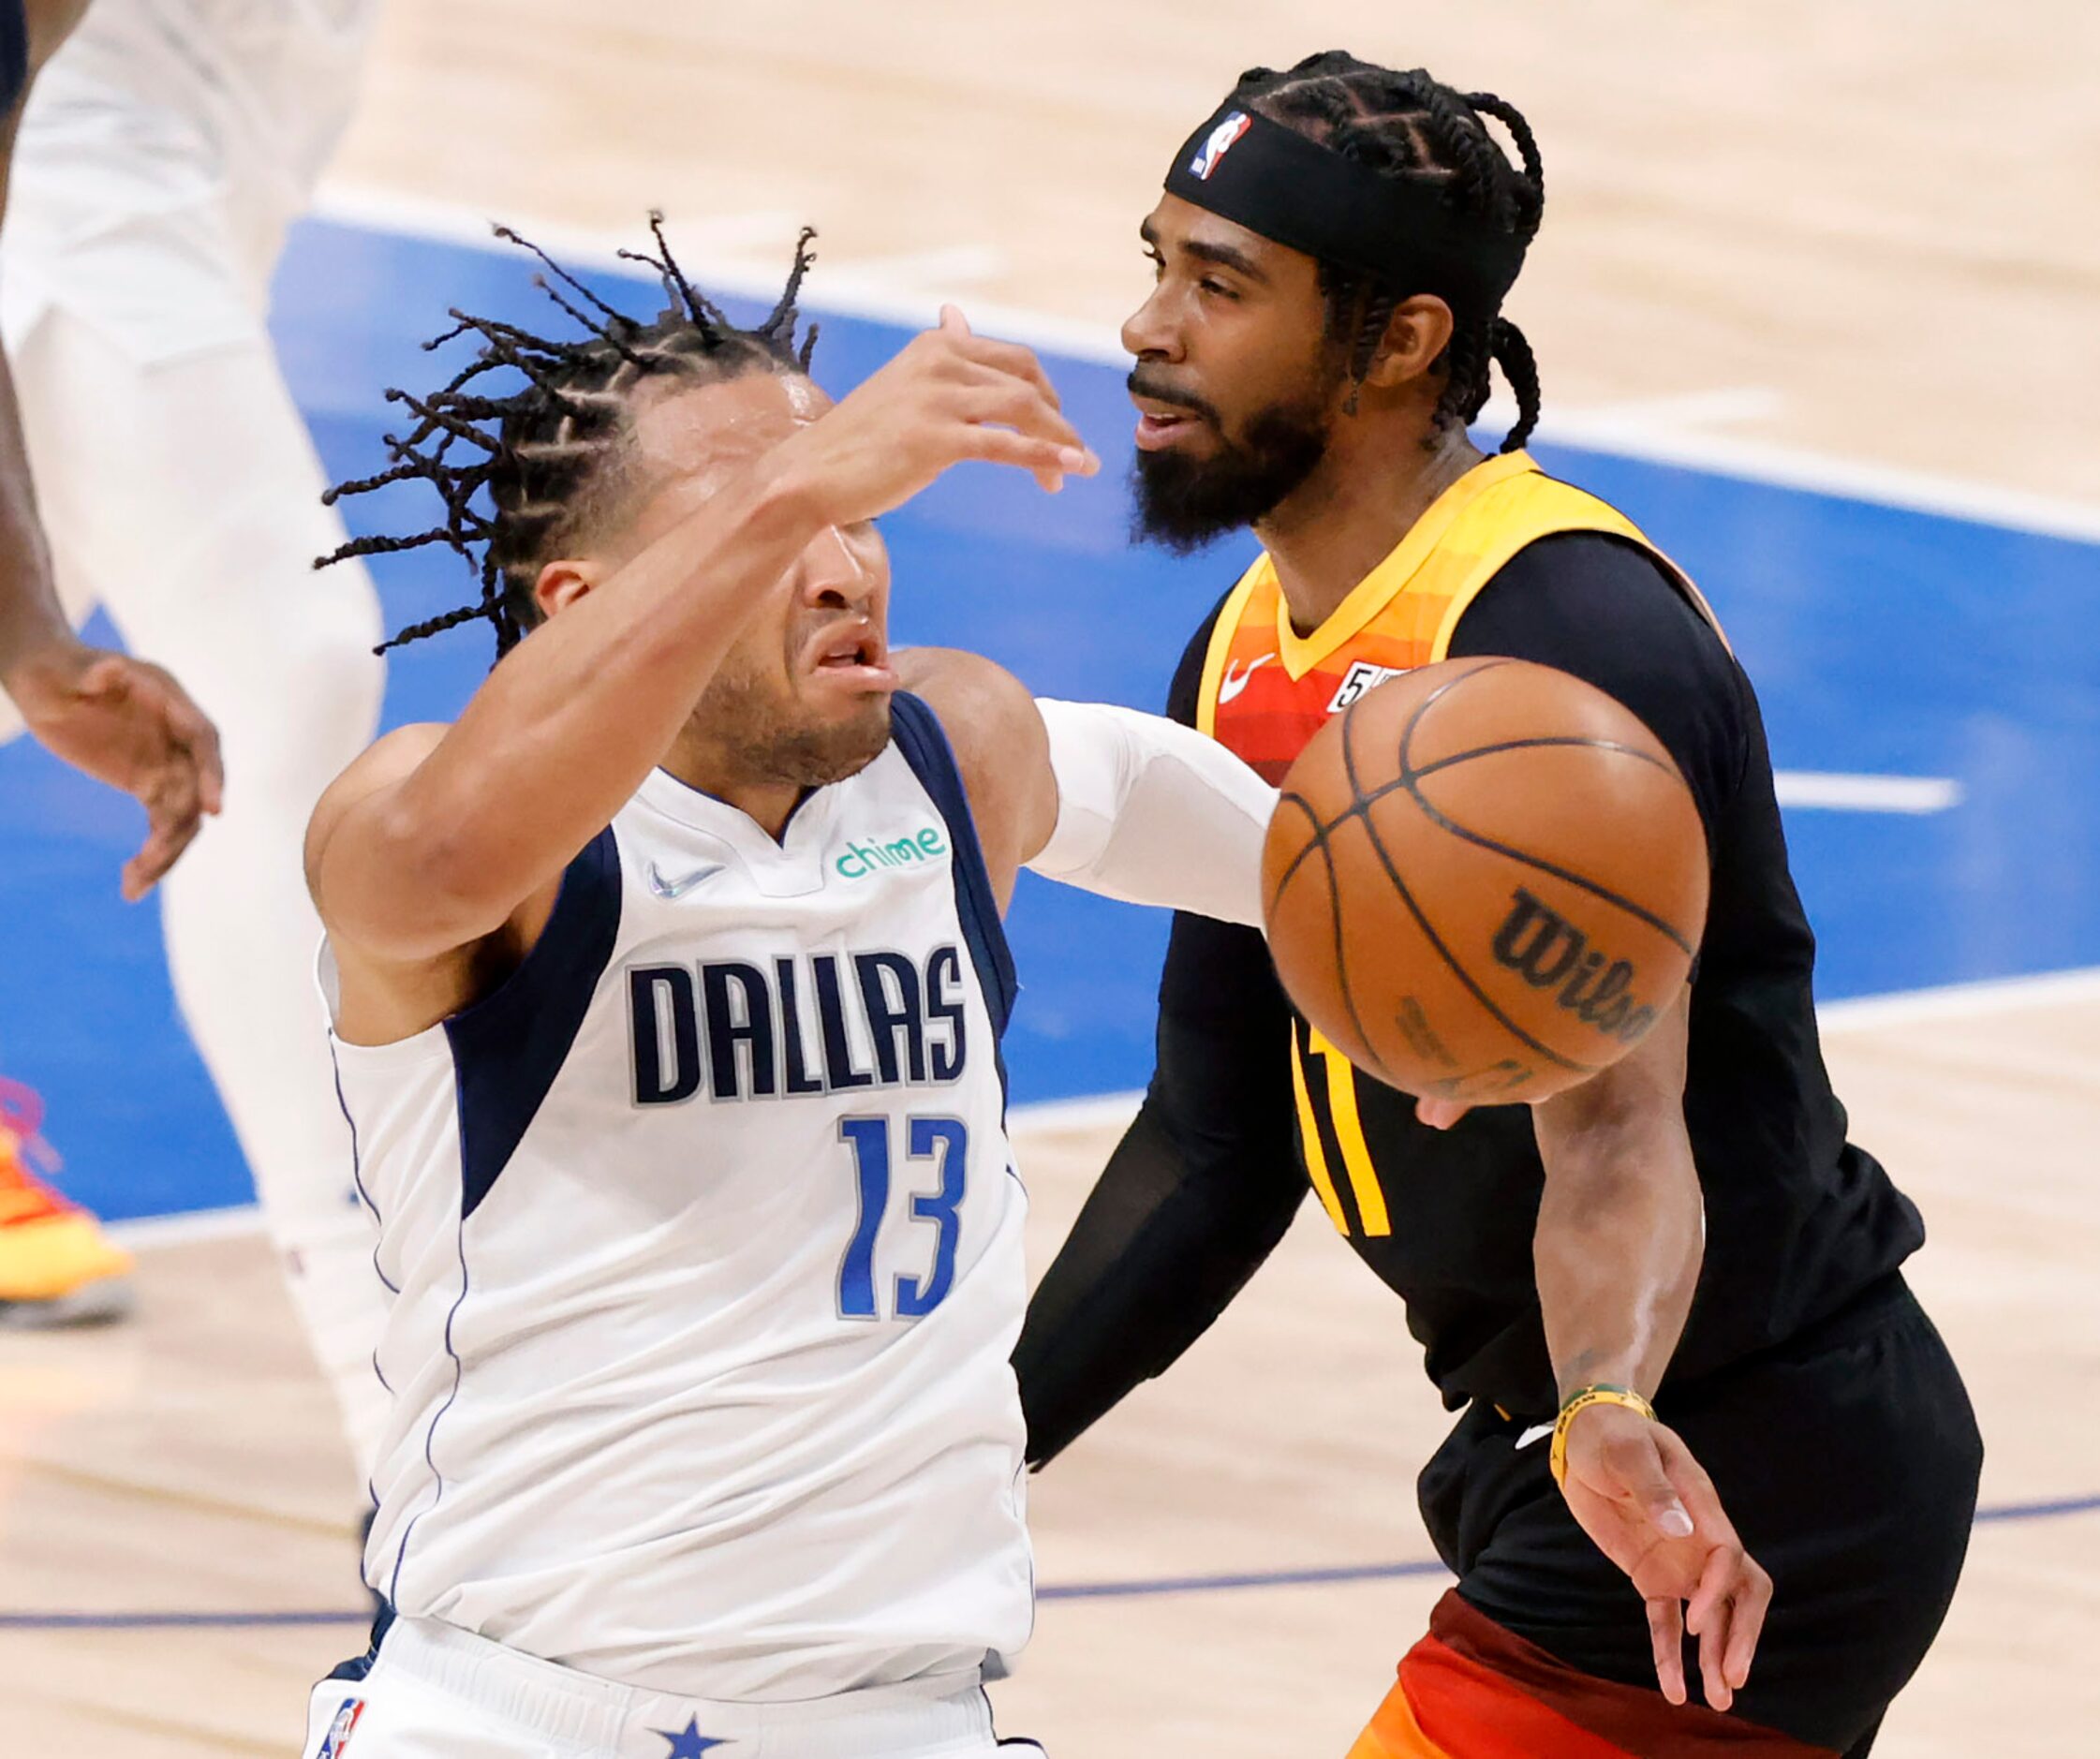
{"x": 56, "y": 1266}
{"x": 188, "y": 493}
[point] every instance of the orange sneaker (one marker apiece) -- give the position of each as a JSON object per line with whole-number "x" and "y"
{"x": 56, "y": 1265}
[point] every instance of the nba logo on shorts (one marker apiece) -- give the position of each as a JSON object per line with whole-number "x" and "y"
{"x": 338, "y": 1737}
{"x": 1219, "y": 143}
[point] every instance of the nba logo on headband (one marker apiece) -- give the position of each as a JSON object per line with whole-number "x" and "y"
{"x": 1219, "y": 145}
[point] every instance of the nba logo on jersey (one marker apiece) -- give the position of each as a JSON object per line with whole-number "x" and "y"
{"x": 1219, "y": 145}
{"x": 338, "y": 1737}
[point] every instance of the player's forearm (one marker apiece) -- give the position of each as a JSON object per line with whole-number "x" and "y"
{"x": 1620, "y": 1240}
{"x": 1153, "y": 812}
{"x": 566, "y": 728}
{"x": 1621, "y": 1226}
{"x": 32, "y": 622}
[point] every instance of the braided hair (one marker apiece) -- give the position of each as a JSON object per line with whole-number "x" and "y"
{"x": 1411, "y": 126}
{"x": 521, "y": 474}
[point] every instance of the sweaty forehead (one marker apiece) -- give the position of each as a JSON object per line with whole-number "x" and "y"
{"x": 690, "y": 430}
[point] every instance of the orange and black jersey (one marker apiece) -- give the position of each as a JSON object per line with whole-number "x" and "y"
{"x": 1249, "y": 1108}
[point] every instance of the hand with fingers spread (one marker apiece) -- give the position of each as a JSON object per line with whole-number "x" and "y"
{"x": 128, "y": 723}
{"x": 1636, "y": 1489}
{"x": 947, "y": 396}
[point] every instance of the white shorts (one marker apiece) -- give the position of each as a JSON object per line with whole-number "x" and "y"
{"x": 440, "y": 1692}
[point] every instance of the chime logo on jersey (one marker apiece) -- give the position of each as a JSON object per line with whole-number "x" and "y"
{"x": 870, "y": 855}
{"x": 1360, "y": 680}
{"x": 823, "y": 1023}
{"x": 339, "y": 1730}
{"x": 1219, "y": 143}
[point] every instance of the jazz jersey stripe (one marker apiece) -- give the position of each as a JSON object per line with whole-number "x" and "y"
{"x": 708, "y": 1252}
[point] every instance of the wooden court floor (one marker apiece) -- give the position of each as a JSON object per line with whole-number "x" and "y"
{"x": 1855, "y": 230}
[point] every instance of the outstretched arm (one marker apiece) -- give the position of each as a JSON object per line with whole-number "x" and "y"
{"x": 1153, "y": 812}
{"x": 1131, "y": 806}
{"x": 1622, "y": 1231}
{"x": 119, "y": 720}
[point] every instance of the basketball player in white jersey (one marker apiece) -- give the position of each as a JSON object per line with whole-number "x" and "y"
{"x": 162, "y": 153}
{"x": 667, "y": 986}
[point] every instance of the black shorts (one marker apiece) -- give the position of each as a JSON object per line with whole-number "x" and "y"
{"x": 1847, "y": 1459}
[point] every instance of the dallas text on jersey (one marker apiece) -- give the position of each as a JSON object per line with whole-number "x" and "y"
{"x": 742, "y": 1028}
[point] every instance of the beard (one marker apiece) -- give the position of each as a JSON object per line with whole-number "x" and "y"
{"x": 764, "y": 743}
{"x": 1184, "y": 503}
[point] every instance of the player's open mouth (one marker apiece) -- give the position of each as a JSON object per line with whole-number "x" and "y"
{"x": 858, "y": 654}
{"x": 1159, "y": 424}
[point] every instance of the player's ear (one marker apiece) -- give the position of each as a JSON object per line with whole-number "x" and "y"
{"x": 562, "y": 583}
{"x": 1415, "y": 338}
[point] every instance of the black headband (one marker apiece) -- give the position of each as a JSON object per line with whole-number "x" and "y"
{"x": 1275, "y": 182}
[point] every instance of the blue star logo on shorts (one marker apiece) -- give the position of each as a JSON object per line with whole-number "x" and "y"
{"x": 689, "y": 1742}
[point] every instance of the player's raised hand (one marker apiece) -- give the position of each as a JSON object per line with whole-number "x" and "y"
{"x": 1651, "y": 1509}
{"x": 128, "y": 723}
{"x": 947, "y": 396}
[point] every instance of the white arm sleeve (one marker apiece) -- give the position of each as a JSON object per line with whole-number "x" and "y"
{"x": 1153, "y": 812}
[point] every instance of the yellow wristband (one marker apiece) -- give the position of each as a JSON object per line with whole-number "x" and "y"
{"x": 1581, "y": 1401}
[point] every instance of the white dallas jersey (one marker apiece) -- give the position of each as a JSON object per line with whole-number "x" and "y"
{"x": 704, "y": 1246}
{"x": 164, "y": 150}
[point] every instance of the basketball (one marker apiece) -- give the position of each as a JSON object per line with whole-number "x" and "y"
{"x": 1484, "y": 881}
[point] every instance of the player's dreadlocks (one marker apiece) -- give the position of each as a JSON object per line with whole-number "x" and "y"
{"x": 518, "y": 473}
{"x": 1410, "y": 125}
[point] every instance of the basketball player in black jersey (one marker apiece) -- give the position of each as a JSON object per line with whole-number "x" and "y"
{"x": 1692, "y": 1229}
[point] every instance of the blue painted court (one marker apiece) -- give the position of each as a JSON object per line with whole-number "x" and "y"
{"x": 1883, "y": 642}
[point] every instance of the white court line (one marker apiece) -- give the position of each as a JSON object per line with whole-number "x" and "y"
{"x": 756, "y": 276}
{"x": 1659, "y": 436}
{"x": 1961, "y": 1001}
{"x": 187, "y": 1227}
{"x": 1822, "y": 790}
{"x": 924, "y": 274}
{"x": 1696, "y": 408}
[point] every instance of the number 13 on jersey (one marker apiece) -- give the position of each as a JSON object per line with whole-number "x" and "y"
{"x": 945, "y": 1143}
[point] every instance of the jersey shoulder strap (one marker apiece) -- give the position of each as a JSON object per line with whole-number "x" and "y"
{"x": 1519, "y": 508}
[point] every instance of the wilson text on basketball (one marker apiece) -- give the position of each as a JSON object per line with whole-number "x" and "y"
{"x": 1548, "y": 952}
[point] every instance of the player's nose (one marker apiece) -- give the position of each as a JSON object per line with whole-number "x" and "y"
{"x": 837, "y": 572}
{"x": 1151, "y": 333}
